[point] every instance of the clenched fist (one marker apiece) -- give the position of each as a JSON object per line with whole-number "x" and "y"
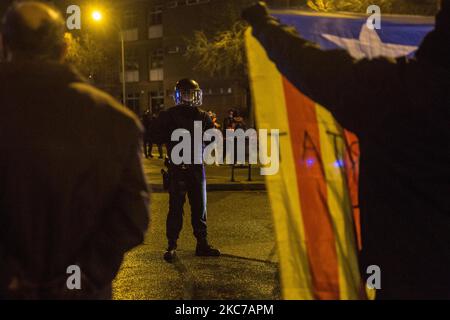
{"x": 256, "y": 14}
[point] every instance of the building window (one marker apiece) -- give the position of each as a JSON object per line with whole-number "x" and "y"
{"x": 180, "y": 3}
{"x": 156, "y": 65}
{"x": 157, "y": 74}
{"x": 157, "y": 59}
{"x": 129, "y": 19}
{"x": 173, "y": 50}
{"x": 156, "y": 101}
{"x": 172, "y": 4}
{"x": 130, "y": 76}
{"x": 133, "y": 102}
{"x": 131, "y": 59}
{"x": 130, "y": 35}
{"x": 155, "y": 16}
{"x": 131, "y": 66}
{"x": 155, "y": 32}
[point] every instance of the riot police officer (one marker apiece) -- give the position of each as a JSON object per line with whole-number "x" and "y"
{"x": 147, "y": 123}
{"x": 187, "y": 177}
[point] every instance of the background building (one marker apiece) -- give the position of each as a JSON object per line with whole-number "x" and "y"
{"x": 155, "y": 34}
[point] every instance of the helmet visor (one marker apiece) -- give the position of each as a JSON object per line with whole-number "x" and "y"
{"x": 192, "y": 97}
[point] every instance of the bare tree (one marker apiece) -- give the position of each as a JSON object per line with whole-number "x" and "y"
{"x": 86, "y": 55}
{"x": 348, "y": 5}
{"x": 426, "y": 7}
{"x": 223, "y": 54}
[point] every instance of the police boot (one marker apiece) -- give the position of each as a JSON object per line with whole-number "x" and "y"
{"x": 171, "y": 252}
{"x": 205, "y": 250}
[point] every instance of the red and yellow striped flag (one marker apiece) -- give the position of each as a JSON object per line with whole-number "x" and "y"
{"x": 314, "y": 193}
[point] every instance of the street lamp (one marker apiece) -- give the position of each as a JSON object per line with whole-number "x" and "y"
{"x": 97, "y": 16}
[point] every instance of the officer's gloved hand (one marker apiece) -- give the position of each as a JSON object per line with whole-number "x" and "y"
{"x": 257, "y": 14}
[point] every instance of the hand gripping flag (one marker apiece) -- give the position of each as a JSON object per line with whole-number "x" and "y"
{"x": 314, "y": 195}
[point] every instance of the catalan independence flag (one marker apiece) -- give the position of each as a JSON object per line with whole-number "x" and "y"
{"x": 314, "y": 195}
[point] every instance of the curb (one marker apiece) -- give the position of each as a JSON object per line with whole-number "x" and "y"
{"x": 158, "y": 188}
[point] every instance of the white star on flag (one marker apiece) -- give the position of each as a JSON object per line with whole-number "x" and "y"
{"x": 370, "y": 45}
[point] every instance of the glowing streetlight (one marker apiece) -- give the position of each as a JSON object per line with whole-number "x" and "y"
{"x": 97, "y": 15}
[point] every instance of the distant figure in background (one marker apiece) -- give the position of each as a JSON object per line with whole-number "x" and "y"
{"x": 228, "y": 122}
{"x": 239, "y": 122}
{"x": 213, "y": 117}
{"x": 73, "y": 192}
{"x": 147, "y": 123}
{"x": 159, "y": 145}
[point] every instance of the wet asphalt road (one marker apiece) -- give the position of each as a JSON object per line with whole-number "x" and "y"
{"x": 240, "y": 225}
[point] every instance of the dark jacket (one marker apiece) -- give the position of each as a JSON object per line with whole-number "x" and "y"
{"x": 72, "y": 190}
{"x": 180, "y": 117}
{"x": 228, "y": 123}
{"x": 147, "y": 124}
{"x": 400, "y": 110}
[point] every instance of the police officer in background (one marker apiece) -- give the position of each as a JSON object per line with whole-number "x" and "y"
{"x": 185, "y": 178}
{"x": 147, "y": 123}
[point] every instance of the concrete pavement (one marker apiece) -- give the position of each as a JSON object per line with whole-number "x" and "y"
{"x": 240, "y": 225}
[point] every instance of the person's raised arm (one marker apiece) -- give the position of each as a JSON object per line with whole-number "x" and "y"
{"x": 332, "y": 78}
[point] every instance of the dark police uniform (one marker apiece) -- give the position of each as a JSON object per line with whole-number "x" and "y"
{"x": 147, "y": 123}
{"x": 186, "y": 178}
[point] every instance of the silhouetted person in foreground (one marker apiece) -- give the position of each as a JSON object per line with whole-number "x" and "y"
{"x": 400, "y": 110}
{"x": 72, "y": 191}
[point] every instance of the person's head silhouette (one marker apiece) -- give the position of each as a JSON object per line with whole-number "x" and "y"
{"x": 435, "y": 48}
{"x": 33, "y": 30}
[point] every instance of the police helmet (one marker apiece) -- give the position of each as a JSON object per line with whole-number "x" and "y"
{"x": 188, "y": 92}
